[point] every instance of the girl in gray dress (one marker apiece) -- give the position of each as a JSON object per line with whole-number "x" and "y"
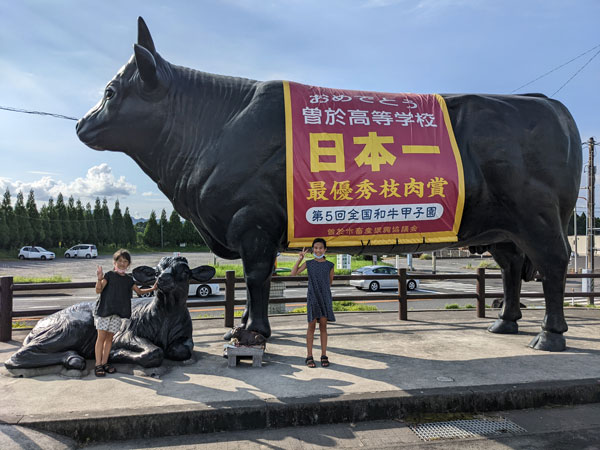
{"x": 318, "y": 299}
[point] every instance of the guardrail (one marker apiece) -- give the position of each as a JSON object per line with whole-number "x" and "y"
{"x": 7, "y": 287}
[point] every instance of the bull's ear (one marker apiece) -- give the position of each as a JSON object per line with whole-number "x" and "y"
{"x": 144, "y": 274}
{"x": 203, "y": 273}
{"x": 146, "y": 65}
{"x": 144, "y": 37}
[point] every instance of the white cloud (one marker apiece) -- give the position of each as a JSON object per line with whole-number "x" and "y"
{"x": 99, "y": 181}
{"x": 147, "y": 194}
{"x": 41, "y": 172}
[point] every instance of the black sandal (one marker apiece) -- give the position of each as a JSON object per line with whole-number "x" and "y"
{"x": 324, "y": 361}
{"x": 109, "y": 369}
{"x": 310, "y": 362}
{"x": 99, "y": 371}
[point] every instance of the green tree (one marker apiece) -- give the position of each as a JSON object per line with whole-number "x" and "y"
{"x": 45, "y": 224}
{"x": 55, "y": 225}
{"x": 38, "y": 230}
{"x": 140, "y": 227}
{"x": 63, "y": 218}
{"x": 80, "y": 220}
{"x": 22, "y": 220}
{"x": 100, "y": 223}
{"x": 110, "y": 237}
{"x": 4, "y": 237}
{"x": 189, "y": 234}
{"x": 174, "y": 229}
{"x": 152, "y": 231}
{"x": 129, "y": 229}
{"x": 120, "y": 237}
{"x": 90, "y": 224}
{"x": 14, "y": 236}
{"x": 163, "y": 225}
{"x": 76, "y": 234}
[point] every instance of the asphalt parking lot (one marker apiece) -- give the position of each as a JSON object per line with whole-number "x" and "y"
{"x": 82, "y": 269}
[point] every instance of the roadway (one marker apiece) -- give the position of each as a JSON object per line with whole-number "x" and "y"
{"x": 43, "y": 300}
{"x": 78, "y": 271}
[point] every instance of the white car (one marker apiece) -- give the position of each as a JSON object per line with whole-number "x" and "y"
{"x": 375, "y": 285}
{"x": 195, "y": 290}
{"x": 82, "y": 251}
{"x": 35, "y": 253}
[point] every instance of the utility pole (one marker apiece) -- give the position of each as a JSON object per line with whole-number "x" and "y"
{"x": 590, "y": 218}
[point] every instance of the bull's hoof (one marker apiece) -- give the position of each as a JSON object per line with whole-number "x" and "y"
{"x": 261, "y": 327}
{"x": 549, "y": 342}
{"x": 76, "y": 362}
{"x": 501, "y": 326}
{"x": 227, "y": 336}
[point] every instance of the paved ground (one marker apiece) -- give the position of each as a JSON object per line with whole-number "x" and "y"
{"x": 557, "y": 428}
{"x": 81, "y": 269}
{"x": 381, "y": 369}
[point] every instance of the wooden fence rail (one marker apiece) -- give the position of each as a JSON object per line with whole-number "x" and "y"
{"x": 7, "y": 287}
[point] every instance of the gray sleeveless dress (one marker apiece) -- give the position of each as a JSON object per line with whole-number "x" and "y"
{"x": 318, "y": 297}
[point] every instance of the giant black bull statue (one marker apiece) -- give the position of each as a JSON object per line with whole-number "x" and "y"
{"x": 215, "y": 145}
{"x": 160, "y": 327}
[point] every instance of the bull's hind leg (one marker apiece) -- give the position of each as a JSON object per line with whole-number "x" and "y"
{"x": 136, "y": 350}
{"x": 550, "y": 255}
{"x": 511, "y": 260}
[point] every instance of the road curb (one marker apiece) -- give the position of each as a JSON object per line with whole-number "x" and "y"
{"x": 286, "y": 412}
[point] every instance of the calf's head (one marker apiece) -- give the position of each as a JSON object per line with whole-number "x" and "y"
{"x": 133, "y": 110}
{"x": 173, "y": 275}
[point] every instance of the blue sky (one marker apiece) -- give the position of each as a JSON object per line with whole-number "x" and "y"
{"x": 58, "y": 55}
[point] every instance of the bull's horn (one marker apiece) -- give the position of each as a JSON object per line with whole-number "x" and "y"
{"x": 146, "y": 65}
{"x": 144, "y": 37}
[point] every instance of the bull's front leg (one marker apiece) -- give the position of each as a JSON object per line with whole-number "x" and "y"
{"x": 511, "y": 260}
{"x": 258, "y": 252}
{"x": 136, "y": 350}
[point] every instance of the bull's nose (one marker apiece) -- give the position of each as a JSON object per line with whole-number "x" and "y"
{"x": 78, "y": 125}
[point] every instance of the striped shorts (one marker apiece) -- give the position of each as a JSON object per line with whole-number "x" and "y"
{"x": 112, "y": 324}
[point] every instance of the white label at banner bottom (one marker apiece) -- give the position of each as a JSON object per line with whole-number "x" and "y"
{"x": 374, "y": 213}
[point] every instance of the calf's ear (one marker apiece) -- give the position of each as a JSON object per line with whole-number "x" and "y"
{"x": 203, "y": 273}
{"x": 144, "y": 274}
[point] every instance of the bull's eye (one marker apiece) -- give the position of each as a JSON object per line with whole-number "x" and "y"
{"x": 109, "y": 93}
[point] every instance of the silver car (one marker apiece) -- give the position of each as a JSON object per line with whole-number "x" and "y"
{"x": 82, "y": 251}
{"x": 375, "y": 285}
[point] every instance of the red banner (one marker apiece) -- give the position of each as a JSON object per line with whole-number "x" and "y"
{"x": 370, "y": 167}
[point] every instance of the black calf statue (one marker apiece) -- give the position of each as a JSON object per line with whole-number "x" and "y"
{"x": 160, "y": 327}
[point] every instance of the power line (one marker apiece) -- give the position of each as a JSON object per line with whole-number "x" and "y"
{"x": 575, "y": 74}
{"x": 41, "y": 113}
{"x": 562, "y": 65}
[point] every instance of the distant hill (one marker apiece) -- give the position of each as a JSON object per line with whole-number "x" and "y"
{"x": 134, "y": 220}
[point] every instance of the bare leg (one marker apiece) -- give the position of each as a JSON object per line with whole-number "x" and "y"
{"x": 98, "y": 349}
{"x": 107, "y": 346}
{"x": 310, "y": 336}
{"x": 323, "y": 333}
